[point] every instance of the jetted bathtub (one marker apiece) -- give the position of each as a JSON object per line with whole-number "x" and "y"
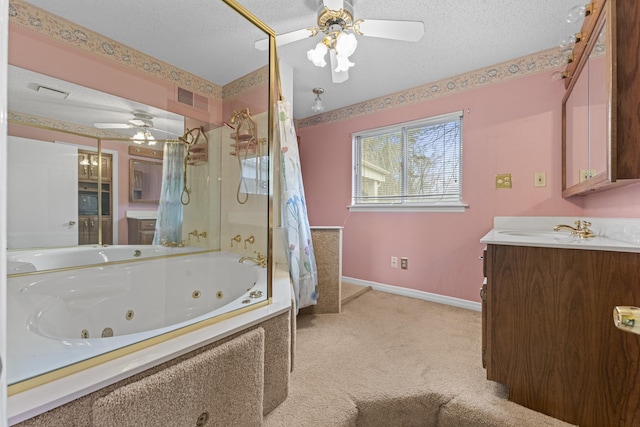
{"x": 30, "y": 260}
{"x": 62, "y": 317}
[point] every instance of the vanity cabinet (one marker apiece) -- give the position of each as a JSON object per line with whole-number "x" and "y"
{"x": 601, "y": 125}
{"x": 88, "y": 230}
{"x": 549, "y": 334}
{"x": 88, "y": 166}
{"x": 141, "y": 231}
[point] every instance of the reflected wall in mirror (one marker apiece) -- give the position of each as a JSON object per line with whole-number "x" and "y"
{"x": 210, "y": 215}
{"x": 145, "y": 181}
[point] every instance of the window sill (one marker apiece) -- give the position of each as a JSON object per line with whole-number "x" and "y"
{"x": 450, "y": 207}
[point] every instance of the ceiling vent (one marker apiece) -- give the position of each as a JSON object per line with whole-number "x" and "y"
{"x": 51, "y": 92}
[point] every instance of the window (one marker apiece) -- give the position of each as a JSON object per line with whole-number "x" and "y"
{"x": 415, "y": 165}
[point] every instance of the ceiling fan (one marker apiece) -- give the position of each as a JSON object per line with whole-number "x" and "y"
{"x": 142, "y": 122}
{"x": 335, "y": 21}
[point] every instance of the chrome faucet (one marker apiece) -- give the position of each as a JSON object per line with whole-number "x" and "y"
{"x": 260, "y": 260}
{"x": 581, "y": 230}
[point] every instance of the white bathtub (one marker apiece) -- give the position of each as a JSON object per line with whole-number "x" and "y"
{"x": 59, "y": 318}
{"x": 30, "y": 260}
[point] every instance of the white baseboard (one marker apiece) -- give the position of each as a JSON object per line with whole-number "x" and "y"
{"x": 413, "y": 293}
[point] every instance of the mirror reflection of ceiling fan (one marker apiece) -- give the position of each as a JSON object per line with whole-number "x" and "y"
{"x": 143, "y": 123}
{"x": 335, "y": 22}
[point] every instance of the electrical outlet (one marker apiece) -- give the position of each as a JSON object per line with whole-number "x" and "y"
{"x": 404, "y": 263}
{"x": 540, "y": 179}
{"x": 503, "y": 180}
{"x": 394, "y": 262}
{"x": 586, "y": 174}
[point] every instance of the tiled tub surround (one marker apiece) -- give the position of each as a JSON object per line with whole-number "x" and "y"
{"x": 85, "y": 386}
{"x": 611, "y": 234}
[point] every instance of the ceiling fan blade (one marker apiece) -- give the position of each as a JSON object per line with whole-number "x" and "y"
{"x": 285, "y": 38}
{"x": 139, "y": 123}
{"x": 337, "y": 76}
{"x": 165, "y": 131}
{"x": 333, "y": 4}
{"x": 410, "y": 31}
{"x": 112, "y": 125}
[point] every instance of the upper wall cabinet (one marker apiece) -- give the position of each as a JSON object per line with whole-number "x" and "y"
{"x": 600, "y": 110}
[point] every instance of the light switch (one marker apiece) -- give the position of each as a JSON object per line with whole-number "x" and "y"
{"x": 540, "y": 179}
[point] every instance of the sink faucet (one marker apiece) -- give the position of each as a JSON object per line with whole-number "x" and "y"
{"x": 260, "y": 260}
{"x": 581, "y": 230}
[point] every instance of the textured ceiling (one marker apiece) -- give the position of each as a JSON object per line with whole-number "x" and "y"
{"x": 205, "y": 37}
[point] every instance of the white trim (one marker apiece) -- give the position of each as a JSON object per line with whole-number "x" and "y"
{"x": 4, "y": 49}
{"x": 440, "y": 207}
{"x": 413, "y": 293}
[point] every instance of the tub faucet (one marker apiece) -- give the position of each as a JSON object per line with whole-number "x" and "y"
{"x": 260, "y": 260}
{"x": 581, "y": 230}
{"x": 193, "y": 233}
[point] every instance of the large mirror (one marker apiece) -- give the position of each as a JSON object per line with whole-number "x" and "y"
{"x": 586, "y": 120}
{"x": 145, "y": 181}
{"x": 103, "y": 131}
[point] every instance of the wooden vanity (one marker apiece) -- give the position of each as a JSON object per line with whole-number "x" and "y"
{"x": 548, "y": 331}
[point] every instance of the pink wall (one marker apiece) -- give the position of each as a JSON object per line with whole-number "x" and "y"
{"x": 623, "y": 202}
{"x": 511, "y": 127}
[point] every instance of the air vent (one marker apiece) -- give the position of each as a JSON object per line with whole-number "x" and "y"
{"x": 51, "y": 92}
{"x": 185, "y": 96}
{"x": 200, "y": 102}
{"x": 193, "y": 100}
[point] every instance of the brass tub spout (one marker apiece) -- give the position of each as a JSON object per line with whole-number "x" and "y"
{"x": 260, "y": 260}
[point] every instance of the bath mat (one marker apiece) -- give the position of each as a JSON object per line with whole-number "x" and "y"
{"x": 220, "y": 387}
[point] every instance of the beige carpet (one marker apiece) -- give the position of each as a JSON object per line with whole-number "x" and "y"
{"x": 388, "y": 360}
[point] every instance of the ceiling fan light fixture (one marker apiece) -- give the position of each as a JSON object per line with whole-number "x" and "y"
{"x": 317, "y": 55}
{"x": 346, "y": 44}
{"x": 143, "y": 136}
{"x": 343, "y": 63}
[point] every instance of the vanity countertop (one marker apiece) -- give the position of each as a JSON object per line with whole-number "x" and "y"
{"x": 611, "y": 234}
{"x": 142, "y": 214}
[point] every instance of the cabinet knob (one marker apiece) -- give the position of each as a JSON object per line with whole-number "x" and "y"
{"x": 72, "y": 222}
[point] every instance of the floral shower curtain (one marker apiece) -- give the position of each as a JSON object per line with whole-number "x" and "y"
{"x": 302, "y": 261}
{"x": 169, "y": 220}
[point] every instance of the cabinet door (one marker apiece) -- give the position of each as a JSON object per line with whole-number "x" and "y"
{"x": 551, "y": 337}
{"x": 87, "y": 230}
{"x": 83, "y": 165}
{"x": 107, "y": 231}
{"x": 106, "y": 168}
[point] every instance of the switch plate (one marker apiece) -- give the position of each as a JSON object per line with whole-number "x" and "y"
{"x": 394, "y": 262}
{"x": 404, "y": 263}
{"x": 503, "y": 180}
{"x": 540, "y": 179}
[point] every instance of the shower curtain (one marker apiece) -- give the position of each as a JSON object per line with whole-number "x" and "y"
{"x": 169, "y": 220}
{"x": 302, "y": 261}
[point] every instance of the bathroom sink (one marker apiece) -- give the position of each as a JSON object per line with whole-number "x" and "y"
{"x": 543, "y": 234}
